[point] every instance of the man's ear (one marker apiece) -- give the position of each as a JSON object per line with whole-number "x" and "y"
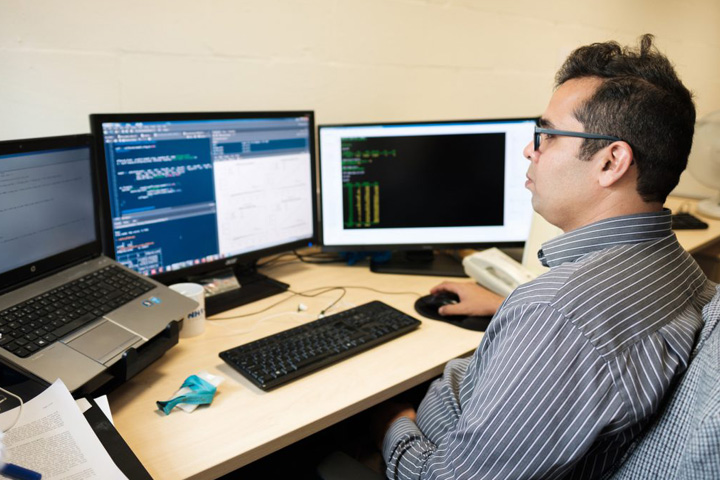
{"x": 615, "y": 163}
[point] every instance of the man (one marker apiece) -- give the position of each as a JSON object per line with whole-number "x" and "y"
{"x": 575, "y": 362}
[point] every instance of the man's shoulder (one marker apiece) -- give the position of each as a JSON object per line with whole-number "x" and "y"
{"x": 614, "y": 295}
{"x": 621, "y": 294}
{"x": 577, "y": 276}
{"x": 544, "y": 288}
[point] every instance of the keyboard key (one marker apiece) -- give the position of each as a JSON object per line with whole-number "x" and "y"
{"x": 36, "y": 323}
{"x": 275, "y": 360}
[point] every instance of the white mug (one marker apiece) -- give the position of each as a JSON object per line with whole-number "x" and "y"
{"x": 194, "y": 322}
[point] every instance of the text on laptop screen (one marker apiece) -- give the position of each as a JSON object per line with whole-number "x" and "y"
{"x": 46, "y": 205}
{"x": 187, "y": 192}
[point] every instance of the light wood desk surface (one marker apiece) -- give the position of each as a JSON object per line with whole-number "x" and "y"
{"x": 244, "y": 423}
{"x": 694, "y": 240}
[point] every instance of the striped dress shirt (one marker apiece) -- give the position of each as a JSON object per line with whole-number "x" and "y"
{"x": 571, "y": 366}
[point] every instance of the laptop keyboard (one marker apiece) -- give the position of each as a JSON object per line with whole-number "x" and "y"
{"x": 32, "y": 325}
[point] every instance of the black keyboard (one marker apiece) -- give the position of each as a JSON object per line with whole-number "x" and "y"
{"x": 686, "y": 221}
{"x": 275, "y": 360}
{"x": 34, "y": 324}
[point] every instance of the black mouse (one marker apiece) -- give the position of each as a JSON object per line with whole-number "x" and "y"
{"x": 428, "y": 306}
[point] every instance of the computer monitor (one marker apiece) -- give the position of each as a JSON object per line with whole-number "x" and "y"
{"x": 202, "y": 196}
{"x": 424, "y": 186}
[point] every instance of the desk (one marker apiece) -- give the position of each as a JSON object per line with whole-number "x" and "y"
{"x": 244, "y": 423}
{"x": 694, "y": 240}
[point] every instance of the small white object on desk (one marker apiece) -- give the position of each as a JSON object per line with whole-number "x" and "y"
{"x": 194, "y": 322}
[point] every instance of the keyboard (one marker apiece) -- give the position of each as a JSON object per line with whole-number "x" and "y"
{"x": 34, "y": 324}
{"x": 276, "y": 360}
{"x": 686, "y": 221}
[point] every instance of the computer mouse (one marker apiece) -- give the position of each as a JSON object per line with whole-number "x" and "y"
{"x": 428, "y": 306}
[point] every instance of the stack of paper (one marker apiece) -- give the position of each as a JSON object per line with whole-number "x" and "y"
{"x": 53, "y": 438}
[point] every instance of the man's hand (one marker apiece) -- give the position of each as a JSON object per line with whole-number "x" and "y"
{"x": 474, "y": 299}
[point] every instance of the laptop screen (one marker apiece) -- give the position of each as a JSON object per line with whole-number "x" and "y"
{"x": 46, "y": 200}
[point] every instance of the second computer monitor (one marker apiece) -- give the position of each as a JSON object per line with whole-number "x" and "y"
{"x": 193, "y": 196}
{"x": 424, "y": 186}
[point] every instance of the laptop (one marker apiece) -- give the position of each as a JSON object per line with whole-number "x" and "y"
{"x": 66, "y": 310}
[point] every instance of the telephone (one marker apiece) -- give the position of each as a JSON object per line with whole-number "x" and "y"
{"x": 496, "y": 271}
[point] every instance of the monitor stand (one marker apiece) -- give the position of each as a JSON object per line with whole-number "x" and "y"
{"x": 238, "y": 286}
{"x": 420, "y": 262}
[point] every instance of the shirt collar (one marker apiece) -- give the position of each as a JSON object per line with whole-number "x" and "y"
{"x": 636, "y": 228}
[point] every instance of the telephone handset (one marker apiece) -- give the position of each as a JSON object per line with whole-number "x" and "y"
{"x": 496, "y": 271}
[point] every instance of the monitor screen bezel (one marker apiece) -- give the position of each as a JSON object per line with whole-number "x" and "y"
{"x": 405, "y": 246}
{"x": 34, "y": 270}
{"x": 235, "y": 261}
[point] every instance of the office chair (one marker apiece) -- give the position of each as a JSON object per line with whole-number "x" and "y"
{"x": 540, "y": 232}
{"x": 341, "y": 466}
{"x": 681, "y": 442}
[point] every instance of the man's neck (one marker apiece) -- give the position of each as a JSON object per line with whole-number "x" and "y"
{"x": 616, "y": 209}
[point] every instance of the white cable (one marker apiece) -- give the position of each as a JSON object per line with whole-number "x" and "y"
{"x": 20, "y": 410}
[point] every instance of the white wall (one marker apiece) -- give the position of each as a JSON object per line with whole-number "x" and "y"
{"x": 349, "y": 60}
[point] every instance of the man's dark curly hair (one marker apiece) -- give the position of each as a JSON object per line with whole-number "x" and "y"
{"x": 642, "y": 101}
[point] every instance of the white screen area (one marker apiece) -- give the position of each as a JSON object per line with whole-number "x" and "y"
{"x": 46, "y": 205}
{"x": 262, "y": 202}
{"x": 429, "y": 184}
{"x": 188, "y": 192}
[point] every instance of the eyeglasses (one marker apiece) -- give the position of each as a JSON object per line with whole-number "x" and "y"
{"x": 539, "y": 132}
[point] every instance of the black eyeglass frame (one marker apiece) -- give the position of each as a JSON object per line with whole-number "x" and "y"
{"x": 564, "y": 133}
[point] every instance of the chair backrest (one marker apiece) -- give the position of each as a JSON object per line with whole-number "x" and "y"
{"x": 540, "y": 232}
{"x": 683, "y": 442}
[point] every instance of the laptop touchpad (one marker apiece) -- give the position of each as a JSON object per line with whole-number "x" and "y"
{"x": 104, "y": 341}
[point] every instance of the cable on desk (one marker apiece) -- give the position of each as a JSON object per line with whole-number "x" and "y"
{"x": 294, "y": 294}
{"x": 322, "y": 312}
{"x": 307, "y": 293}
{"x": 274, "y": 259}
{"x": 19, "y": 411}
{"x": 322, "y": 257}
